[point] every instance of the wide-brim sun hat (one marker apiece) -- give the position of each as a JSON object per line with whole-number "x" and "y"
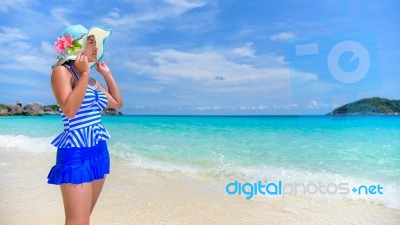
{"x": 72, "y": 41}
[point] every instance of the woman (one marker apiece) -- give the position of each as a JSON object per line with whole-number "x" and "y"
{"x": 82, "y": 155}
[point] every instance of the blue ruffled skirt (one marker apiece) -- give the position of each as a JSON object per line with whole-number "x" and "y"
{"x": 80, "y": 165}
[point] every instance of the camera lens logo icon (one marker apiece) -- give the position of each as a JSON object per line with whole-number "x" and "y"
{"x": 358, "y": 53}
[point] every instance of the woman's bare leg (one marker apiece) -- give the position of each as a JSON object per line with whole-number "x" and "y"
{"x": 97, "y": 186}
{"x": 77, "y": 203}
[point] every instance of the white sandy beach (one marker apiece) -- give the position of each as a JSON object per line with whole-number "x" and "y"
{"x": 138, "y": 196}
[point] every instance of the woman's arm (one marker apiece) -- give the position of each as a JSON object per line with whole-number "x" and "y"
{"x": 113, "y": 94}
{"x": 67, "y": 98}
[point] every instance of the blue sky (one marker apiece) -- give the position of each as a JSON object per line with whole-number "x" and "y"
{"x": 214, "y": 56}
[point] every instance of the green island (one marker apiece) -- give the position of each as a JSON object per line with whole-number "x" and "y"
{"x": 369, "y": 106}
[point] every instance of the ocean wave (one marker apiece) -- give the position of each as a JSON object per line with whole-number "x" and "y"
{"x": 26, "y": 143}
{"x": 229, "y": 172}
{"x": 142, "y": 162}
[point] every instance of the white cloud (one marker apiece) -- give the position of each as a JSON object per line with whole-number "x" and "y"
{"x": 170, "y": 65}
{"x": 313, "y": 104}
{"x": 115, "y": 14}
{"x": 11, "y": 34}
{"x": 59, "y": 16}
{"x": 245, "y": 51}
{"x": 181, "y": 6}
{"x": 8, "y": 4}
{"x": 22, "y": 55}
{"x": 209, "y": 108}
{"x": 303, "y": 76}
{"x": 47, "y": 48}
{"x": 249, "y": 31}
{"x": 284, "y": 36}
{"x": 156, "y": 10}
{"x": 211, "y": 71}
{"x": 16, "y": 80}
{"x": 35, "y": 62}
{"x": 289, "y": 108}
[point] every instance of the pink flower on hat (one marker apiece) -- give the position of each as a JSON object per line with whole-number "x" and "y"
{"x": 63, "y": 43}
{"x": 68, "y": 41}
{"x": 66, "y": 44}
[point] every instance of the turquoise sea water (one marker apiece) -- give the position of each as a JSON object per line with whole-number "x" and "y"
{"x": 355, "y": 148}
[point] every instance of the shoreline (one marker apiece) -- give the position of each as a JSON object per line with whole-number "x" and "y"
{"x": 143, "y": 196}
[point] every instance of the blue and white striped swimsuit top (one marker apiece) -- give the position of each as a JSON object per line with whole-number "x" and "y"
{"x": 85, "y": 128}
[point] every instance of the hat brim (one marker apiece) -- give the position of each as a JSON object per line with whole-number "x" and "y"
{"x": 100, "y": 35}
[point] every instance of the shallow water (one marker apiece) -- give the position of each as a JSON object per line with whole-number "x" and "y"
{"x": 357, "y": 150}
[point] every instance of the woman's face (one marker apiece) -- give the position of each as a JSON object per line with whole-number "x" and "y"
{"x": 91, "y": 49}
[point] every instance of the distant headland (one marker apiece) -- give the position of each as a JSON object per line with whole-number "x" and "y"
{"x": 369, "y": 106}
{"x": 366, "y": 106}
{"x": 38, "y": 109}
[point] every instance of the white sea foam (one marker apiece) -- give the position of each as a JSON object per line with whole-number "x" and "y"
{"x": 229, "y": 172}
{"x": 26, "y": 143}
{"x": 142, "y": 162}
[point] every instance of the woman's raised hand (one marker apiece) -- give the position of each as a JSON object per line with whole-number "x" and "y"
{"x": 102, "y": 68}
{"x": 82, "y": 65}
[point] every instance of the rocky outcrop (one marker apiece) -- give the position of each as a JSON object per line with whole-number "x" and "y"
{"x": 4, "y": 111}
{"x": 51, "y": 110}
{"x": 37, "y": 109}
{"x": 11, "y": 109}
{"x": 15, "y": 109}
{"x": 111, "y": 112}
{"x": 33, "y": 109}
